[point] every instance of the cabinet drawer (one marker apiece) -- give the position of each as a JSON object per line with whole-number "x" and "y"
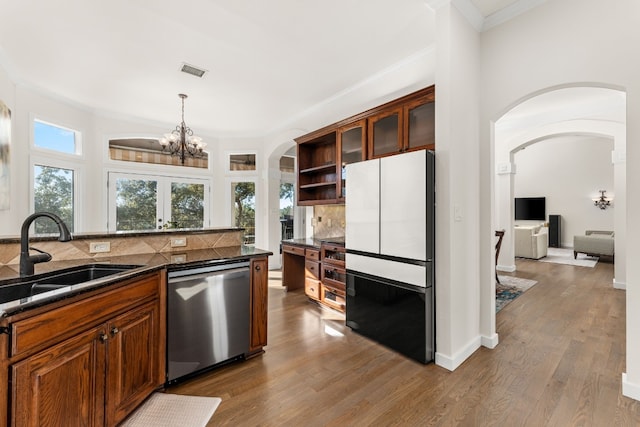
{"x": 312, "y": 255}
{"x": 45, "y": 329}
{"x": 312, "y": 270}
{"x": 333, "y": 276}
{"x": 296, "y": 250}
{"x": 333, "y": 254}
{"x": 312, "y": 288}
{"x": 332, "y": 297}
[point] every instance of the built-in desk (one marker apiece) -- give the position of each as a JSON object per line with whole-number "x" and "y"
{"x": 304, "y": 265}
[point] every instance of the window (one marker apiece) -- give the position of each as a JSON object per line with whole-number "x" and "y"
{"x": 286, "y": 209}
{"x": 53, "y": 191}
{"x": 243, "y": 204}
{"x": 242, "y": 162}
{"x": 55, "y": 138}
{"x": 147, "y": 202}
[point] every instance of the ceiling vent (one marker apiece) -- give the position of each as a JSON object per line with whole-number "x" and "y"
{"x": 190, "y": 69}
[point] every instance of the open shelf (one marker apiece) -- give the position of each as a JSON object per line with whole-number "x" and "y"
{"x": 315, "y": 169}
{"x": 317, "y": 184}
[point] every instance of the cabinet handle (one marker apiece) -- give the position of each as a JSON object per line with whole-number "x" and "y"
{"x": 114, "y": 330}
{"x": 257, "y": 268}
{"x": 104, "y": 337}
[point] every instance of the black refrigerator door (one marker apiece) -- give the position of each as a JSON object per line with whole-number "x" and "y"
{"x": 398, "y": 316}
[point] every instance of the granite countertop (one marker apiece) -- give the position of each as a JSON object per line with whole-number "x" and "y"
{"x": 144, "y": 263}
{"x": 315, "y": 242}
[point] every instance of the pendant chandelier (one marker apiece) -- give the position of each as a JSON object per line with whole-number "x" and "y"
{"x": 181, "y": 142}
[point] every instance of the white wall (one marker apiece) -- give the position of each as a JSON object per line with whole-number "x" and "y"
{"x": 581, "y": 41}
{"x": 568, "y": 171}
{"x": 460, "y": 330}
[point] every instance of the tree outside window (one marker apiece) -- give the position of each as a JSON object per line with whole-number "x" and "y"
{"x": 244, "y": 212}
{"x": 53, "y": 192}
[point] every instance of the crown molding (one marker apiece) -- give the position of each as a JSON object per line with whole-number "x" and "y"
{"x": 514, "y": 9}
{"x": 483, "y": 23}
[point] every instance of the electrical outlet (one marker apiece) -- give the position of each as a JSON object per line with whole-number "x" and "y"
{"x": 179, "y": 258}
{"x": 177, "y": 242}
{"x": 99, "y": 247}
{"x": 329, "y": 222}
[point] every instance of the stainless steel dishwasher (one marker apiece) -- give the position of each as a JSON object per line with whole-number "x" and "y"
{"x": 207, "y": 317}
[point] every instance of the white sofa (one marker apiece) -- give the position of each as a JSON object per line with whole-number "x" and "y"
{"x": 530, "y": 241}
{"x": 594, "y": 243}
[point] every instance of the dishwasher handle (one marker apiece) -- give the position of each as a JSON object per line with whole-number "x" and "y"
{"x": 194, "y": 273}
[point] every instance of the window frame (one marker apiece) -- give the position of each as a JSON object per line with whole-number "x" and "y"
{"x": 78, "y": 140}
{"x": 227, "y": 164}
{"x": 78, "y": 173}
{"x": 164, "y": 189}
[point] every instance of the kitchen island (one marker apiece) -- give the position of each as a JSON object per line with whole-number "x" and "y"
{"x": 89, "y": 355}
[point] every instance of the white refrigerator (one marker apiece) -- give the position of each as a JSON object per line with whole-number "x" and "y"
{"x": 390, "y": 245}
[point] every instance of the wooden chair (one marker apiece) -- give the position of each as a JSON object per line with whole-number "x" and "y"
{"x": 500, "y": 235}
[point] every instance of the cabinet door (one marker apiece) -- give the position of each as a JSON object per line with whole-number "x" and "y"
{"x": 133, "y": 354}
{"x": 63, "y": 385}
{"x": 419, "y": 125}
{"x": 259, "y": 299}
{"x": 385, "y": 133}
{"x": 351, "y": 149}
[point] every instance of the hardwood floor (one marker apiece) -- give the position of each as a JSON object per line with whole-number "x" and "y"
{"x": 559, "y": 363}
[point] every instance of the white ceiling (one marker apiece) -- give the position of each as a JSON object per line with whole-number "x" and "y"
{"x": 267, "y": 61}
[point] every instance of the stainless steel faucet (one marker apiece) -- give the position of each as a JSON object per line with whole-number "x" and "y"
{"x": 27, "y": 261}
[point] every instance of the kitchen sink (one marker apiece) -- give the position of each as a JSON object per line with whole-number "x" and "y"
{"x": 59, "y": 280}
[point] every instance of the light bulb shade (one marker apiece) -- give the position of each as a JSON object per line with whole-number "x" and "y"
{"x": 163, "y": 142}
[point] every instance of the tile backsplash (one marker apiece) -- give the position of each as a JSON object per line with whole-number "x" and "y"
{"x": 123, "y": 244}
{"x": 328, "y": 220}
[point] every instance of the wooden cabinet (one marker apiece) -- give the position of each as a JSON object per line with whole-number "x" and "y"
{"x": 89, "y": 360}
{"x": 63, "y": 385}
{"x": 259, "y": 304}
{"x": 317, "y": 170}
{"x": 312, "y": 273}
{"x": 351, "y": 148}
{"x": 333, "y": 289}
{"x": 385, "y": 133}
{"x": 419, "y": 124}
{"x": 131, "y": 374}
{"x": 404, "y": 124}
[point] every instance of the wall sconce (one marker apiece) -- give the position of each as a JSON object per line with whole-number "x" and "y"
{"x": 603, "y": 202}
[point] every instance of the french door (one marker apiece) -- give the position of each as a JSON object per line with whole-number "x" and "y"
{"x": 152, "y": 202}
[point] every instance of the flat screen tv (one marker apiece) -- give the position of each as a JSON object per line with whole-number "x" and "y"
{"x": 530, "y": 208}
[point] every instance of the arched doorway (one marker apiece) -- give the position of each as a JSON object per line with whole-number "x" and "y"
{"x": 554, "y": 112}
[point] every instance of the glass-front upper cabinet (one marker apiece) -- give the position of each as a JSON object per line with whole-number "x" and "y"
{"x": 419, "y": 125}
{"x": 351, "y": 146}
{"x": 385, "y": 133}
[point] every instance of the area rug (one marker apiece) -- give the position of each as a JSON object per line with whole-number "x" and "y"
{"x": 509, "y": 289}
{"x": 171, "y": 410}
{"x": 565, "y": 256}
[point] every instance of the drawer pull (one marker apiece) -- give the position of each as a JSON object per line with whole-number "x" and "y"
{"x": 114, "y": 330}
{"x": 104, "y": 337}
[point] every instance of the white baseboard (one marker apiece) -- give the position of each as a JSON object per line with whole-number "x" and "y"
{"x": 629, "y": 389}
{"x": 489, "y": 342}
{"x": 452, "y": 362}
{"x": 506, "y": 268}
{"x": 619, "y": 285}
